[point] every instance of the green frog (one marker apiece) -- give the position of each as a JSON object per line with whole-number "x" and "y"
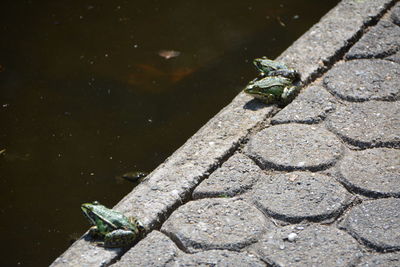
{"x": 135, "y": 176}
{"x": 268, "y": 67}
{"x": 277, "y": 83}
{"x": 112, "y": 226}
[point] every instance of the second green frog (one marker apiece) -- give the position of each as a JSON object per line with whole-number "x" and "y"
{"x": 276, "y": 84}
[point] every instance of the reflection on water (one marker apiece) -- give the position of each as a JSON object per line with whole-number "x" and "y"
{"x": 91, "y": 90}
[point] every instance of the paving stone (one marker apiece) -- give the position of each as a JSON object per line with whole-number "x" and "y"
{"x": 294, "y": 147}
{"x": 220, "y": 258}
{"x": 373, "y": 172}
{"x": 315, "y": 246}
{"x": 382, "y": 40}
{"x": 235, "y": 176}
{"x": 154, "y": 250}
{"x": 368, "y": 124}
{"x": 311, "y": 106}
{"x": 298, "y": 196}
{"x": 216, "y": 223}
{"x": 323, "y": 42}
{"x": 364, "y": 79}
{"x": 376, "y": 223}
{"x": 381, "y": 260}
{"x": 395, "y": 16}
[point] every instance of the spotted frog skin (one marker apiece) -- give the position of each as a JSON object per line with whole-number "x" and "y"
{"x": 112, "y": 226}
{"x": 276, "y": 84}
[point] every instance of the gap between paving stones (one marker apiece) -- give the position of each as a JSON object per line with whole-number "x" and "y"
{"x": 313, "y": 67}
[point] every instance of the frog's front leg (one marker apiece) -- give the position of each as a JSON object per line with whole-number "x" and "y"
{"x": 289, "y": 93}
{"x": 119, "y": 238}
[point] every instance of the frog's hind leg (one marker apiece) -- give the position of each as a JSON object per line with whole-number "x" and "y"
{"x": 119, "y": 238}
{"x": 289, "y": 93}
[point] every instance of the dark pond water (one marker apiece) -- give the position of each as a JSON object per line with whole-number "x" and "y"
{"x": 87, "y": 93}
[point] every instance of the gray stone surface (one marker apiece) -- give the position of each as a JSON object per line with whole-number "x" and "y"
{"x": 381, "y": 260}
{"x": 220, "y": 258}
{"x": 86, "y": 253}
{"x": 395, "y": 16}
{"x": 294, "y": 147}
{"x": 373, "y": 172}
{"x": 366, "y": 125}
{"x": 364, "y": 79}
{"x": 235, "y": 176}
{"x": 217, "y": 223}
{"x": 325, "y": 40}
{"x": 315, "y": 246}
{"x": 376, "y": 223}
{"x": 381, "y": 41}
{"x": 311, "y": 106}
{"x": 298, "y": 196}
{"x": 158, "y": 250}
{"x": 154, "y": 250}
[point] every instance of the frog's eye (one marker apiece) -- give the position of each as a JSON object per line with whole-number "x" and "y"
{"x": 96, "y": 202}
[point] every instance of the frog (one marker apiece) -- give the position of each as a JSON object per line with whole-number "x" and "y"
{"x": 268, "y": 67}
{"x": 113, "y": 227}
{"x": 275, "y": 89}
{"x": 276, "y": 84}
{"x": 134, "y": 176}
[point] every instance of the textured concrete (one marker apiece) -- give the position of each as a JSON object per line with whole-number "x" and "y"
{"x": 237, "y": 175}
{"x": 382, "y": 41}
{"x": 311, "y": 106}
{"x": 313, "y": 246}
{"x": 158, "y": 250}
{"x": 155, "y": 250}
{"x": 363, "y": 80}
{"x": 299, "y": 196}
{"x": 381, "y": 260}
{"x": 372, "y": 172}
{"x": 232, "y": 193}
{"x": 216, "y": 224}
{"x": 294, "y": 147}
{"x": 376, "y": 223}
{"x": 369, "y": 124}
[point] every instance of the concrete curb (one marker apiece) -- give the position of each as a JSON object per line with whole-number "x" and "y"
{"x": 172, "y": 183}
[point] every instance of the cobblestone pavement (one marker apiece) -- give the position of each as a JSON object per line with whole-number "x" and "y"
{"x": 319, "y": 186}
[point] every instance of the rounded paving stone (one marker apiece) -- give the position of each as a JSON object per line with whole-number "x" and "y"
{"x": 295, "y": 147}
{"x": 382, "y": 40}
{"x": 364, "y": 79}
{"x": 373, "y": 172}
{"x": 235, "y": 176}
{"x": 311, "y": 106}
{"x": 216, "y": 224}
{"x": 156, "y": 249}
{"x": 220, "y": 258}
{"x": 381, "y": 260}
{"x": 314, "y": 246}
{"x": 301, "y": 195}
{"x": 376, "y": 223}
{"x": 369, "y": 124}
